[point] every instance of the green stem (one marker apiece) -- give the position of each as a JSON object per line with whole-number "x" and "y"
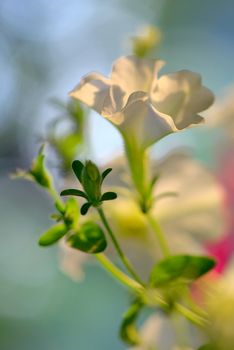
{"x": 159, "y": 234}
{"x": 137, "y": 161}
{"x": 190, "y": 315}
{"x": 122, "y": 256}
{"x": 118, "y": 274}
{"x": 54, "y": 194}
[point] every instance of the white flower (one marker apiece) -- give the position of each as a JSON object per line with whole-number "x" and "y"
{"x": 157, "y": 333}
{"x": 221, "y": 115}
{"x": 142, "y": 106}
{"x": 71, "y": 261}
{"x": 189, "y": 218}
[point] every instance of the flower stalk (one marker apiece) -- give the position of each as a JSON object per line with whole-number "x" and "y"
{"x": 118, "y": 274}
{"x": 122, "y": 256}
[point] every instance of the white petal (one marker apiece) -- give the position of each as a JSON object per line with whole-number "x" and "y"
{"x": 132, "y": 73}
{"x": 140, "y": 121}
{"x": 114, "y": 101}
{"x": 92, "y": 90}
{"x": 71, "y": 261}
{"x": 182, "y": 96}
{"x": 197, "y": 210}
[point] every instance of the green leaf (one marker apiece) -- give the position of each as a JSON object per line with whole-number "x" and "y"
{"x": 105, "y": 173}
{"x": 77, "y": 167}
{"x": 207, "y": 347}
{"x": 128, "y": 330}
{"x": 85, "y": 207}
{"x": 73, "y": 192}
{"x": 91, "y": 182}
{"x": 108, "y": 196}
{"x": 183, "y": 268}
{"x": 71, "y": 214}
{"x": 89, "y": 239}
{"x": 52, "y": 235}
{"x": 39, "y": 171}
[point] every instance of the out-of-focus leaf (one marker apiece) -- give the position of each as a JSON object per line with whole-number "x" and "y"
{"x": 37, "y": 173}
{"x": 85, "y": 207}
{"x": 71, "y": 214}
{"x": 108, "y": 196}
{"x": 73, "y": 192}
{"x": 89, "y": 239}
{"x": 183, "y": 268}
{"x": 105, "y": 173}
{"x": 52, "y": 235}
{"x": 77, "y": 167}
{"x": 128, "y": 331}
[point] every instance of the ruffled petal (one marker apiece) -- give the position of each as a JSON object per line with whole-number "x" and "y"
{"x": 133, "y": 73}
{"x": 140, "y": 121}
{"x": 92, "y": 90}
{"x": 181, "y": 96}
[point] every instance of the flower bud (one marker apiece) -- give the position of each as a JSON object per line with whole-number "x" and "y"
{"x": 91, "y": 181}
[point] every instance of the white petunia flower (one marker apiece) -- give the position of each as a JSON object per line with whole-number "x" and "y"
{"x": 71, "y": 261}
{"x": 143, "y": 107}
{"x": 221, "y": 114}
{"x": 188, "y": 206}
{"x": 158, "y": 332}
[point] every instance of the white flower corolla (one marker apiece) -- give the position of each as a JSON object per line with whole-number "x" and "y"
{"x": 188, "y": 206}
{"x": 221, "y": 114}
{"x": 142, "y": 106}
{"x": 158, "y": 332}
{"x": 71, "y": 261}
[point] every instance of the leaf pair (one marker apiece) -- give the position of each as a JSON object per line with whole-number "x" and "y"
{"x": 91, "y": 181}
{"x": 89, "y": 238}
{"x": 68, "y": 216}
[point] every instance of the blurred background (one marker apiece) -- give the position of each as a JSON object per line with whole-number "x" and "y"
{"x": 45, "y": 48}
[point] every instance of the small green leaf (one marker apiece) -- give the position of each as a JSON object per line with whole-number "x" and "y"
{"x": 89, "y": 239}
{"x": 128, "y": 330}
{"x": 105, "y": 173}
{"x": 77, "y": 167}
{"x": 108, "y": 196}
{"x": 85, "y": 207}
{"x": 56, "y": 217}
{"x": 39, "y": 171}
{"x": 183, "y": 268}
{"x": 71, "y": 214}
{"x": 73, "y": 192}
{"x": 52, "y": 235}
